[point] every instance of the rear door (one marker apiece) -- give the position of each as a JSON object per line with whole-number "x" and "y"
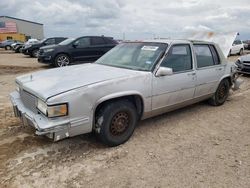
{"x": 98, "y": 47}
{"x": 209, "y": 69}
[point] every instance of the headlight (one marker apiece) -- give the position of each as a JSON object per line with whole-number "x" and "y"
{"x": 58, "y": 110}
{"x": 48, "y": 50}
{"x": 52, "y": 110}
{"x": 28, "y": 46}
{"x": 17, "y": 88}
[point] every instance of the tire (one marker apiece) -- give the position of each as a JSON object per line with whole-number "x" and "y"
{"x": 115, "y": 122}
{"x": 34, "y": 53}
{"x": 221, "y": 93}
{"x": 62, "y": 60}
{"x": 8, "y": 47}
{"x": 241, "y": 52}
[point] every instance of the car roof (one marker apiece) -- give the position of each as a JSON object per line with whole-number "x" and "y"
{"x": 178, "y": 41}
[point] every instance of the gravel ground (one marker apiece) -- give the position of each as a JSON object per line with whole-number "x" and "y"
{"x": 197, "y": 146}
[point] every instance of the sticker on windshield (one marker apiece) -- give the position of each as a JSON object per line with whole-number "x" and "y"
{"x": 149, "y": 62}
{"x": 150, "y": 48}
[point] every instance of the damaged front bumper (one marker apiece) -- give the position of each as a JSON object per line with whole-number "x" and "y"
{"x": 55, "y": 129}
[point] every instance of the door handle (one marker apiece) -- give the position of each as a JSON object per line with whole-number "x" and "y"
{"x": 218, "y": 69}
{"x": 191, "y": 74}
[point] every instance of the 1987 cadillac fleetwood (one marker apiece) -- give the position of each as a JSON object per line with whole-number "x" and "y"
{"x": 131, "y": 82}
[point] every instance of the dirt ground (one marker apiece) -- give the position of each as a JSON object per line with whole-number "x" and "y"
{"x": 198, "y": 146}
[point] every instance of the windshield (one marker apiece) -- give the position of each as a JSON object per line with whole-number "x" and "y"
{"x": 136, "y": 56}
{"x": 66, "y": 42}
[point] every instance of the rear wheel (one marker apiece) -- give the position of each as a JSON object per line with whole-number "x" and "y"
{"x": 115, "y": 122}
{"x": 221, "y": 93}
{"x": 62, "y": 60}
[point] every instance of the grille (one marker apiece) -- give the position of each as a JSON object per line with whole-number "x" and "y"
{"x": 28, "y": 100}
{"x": 246, "y": 63}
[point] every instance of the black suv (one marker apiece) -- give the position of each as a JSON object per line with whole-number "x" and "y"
{"x": 32, "y": 49}
{"x": 83, "y": 49}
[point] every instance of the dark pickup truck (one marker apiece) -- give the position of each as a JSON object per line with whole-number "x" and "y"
{"x": 32, "y": 49}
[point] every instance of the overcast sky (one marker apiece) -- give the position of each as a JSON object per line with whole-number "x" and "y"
{"x": 137, "y": 19}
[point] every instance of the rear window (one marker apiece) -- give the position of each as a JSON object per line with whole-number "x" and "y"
{"x": 204, "y": 56}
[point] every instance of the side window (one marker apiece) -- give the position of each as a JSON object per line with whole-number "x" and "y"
{"x": 50, "y": 41}
{"x": 97, "y": 41}
{"x": 179, "y": 58}
{"x": 58, "y": 40}
{"x": 109, "y": 40}
{"x": 82, "y": 42}
{"x": 215, "y": 55}
{"x": 203, "y": 56}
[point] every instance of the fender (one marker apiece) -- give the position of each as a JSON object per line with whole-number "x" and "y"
{"x": 117, "y": 95}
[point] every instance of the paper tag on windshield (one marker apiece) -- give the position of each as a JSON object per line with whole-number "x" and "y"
{"x": 150, "y": 48}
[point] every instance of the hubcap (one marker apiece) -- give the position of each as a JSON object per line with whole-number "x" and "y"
{"x": 119, "y": 123}
{"x": 62, "y": 61}
{"x": 35, "y": 53}
{"x": 222, "y": 92}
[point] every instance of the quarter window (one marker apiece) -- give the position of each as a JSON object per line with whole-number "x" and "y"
{"x": 215, "y": 55}
{"x": 179, "y": 58}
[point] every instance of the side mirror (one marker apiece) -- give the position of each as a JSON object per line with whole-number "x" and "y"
{"x": 164, "y": 71}
{"x": 74, "y": 45}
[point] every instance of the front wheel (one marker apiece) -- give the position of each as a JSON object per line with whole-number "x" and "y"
{"x": 62, "y": 60}
{"x": 34, "y": 53}
{"x": 221, "y": 93}
{"x": 7, "y": 47}
{"x": 115, "y": 122}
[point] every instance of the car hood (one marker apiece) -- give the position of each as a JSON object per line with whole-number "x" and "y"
{"x": 48, "y": 83}
{"x": 224, "y": 40}
{"x": 245, "y": 57}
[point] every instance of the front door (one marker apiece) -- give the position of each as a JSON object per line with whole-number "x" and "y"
{"x": 81, "y": 50}
{"x": 179, "y": 87}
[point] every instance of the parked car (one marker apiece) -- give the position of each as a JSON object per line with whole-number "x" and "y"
{"x": 32, "y": 49}
{"x": 243, "y": 64}
{"x": 133, "y": 81}
{"x": 237, "y": 48}
{"x": 28, "y": 43}
{"x": 247, "y": 45}
{"x": 16, "y": 45}
{"x": 6, "y": 44}
{"x": 18, "y": 48}
{"x": 82, "y": 49}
